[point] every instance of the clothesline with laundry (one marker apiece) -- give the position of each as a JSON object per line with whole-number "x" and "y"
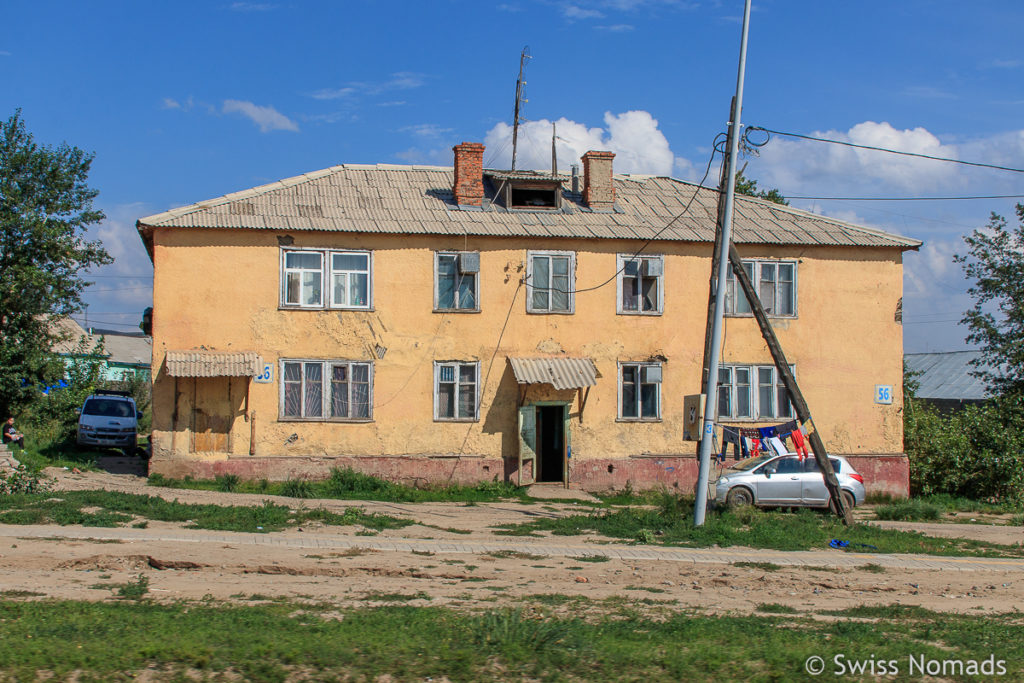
{"x": 749, "y": 442}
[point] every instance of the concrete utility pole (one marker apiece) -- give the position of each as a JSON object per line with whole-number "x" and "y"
{"x": 711, "y": 397}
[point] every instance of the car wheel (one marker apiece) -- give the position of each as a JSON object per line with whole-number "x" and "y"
{"x": 739, "y": 497}
{"x": 849, "y": 502}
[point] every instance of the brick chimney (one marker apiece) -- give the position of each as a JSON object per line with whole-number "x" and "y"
{"x": 469, "y": 173}
{"x": 598, "y": 188}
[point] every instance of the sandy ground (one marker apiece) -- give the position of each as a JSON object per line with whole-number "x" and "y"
{"x": 83, "y": 569}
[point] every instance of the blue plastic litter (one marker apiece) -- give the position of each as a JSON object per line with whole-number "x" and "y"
{"x": 836, "y": 543}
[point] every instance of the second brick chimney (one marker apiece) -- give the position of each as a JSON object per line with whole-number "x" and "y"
{"x": 469, "y": 174}
{"x": 598, "y": 187}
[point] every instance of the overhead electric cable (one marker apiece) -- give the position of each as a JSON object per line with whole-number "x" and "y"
{"x": 871, "y": 147}
{"x": 907, "y": 199}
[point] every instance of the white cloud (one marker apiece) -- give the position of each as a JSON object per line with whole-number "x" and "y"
{"x": 929, "y": 92}
{"x": 171, "y": 103}
{"x": 1006, "y": 63}
{"x": 122, "y": 289}
{"x": 402, "y": 80}
{"x": 4, "y": 53}
{"x": 616, "y": 28}
{"x": 267, "y": 118}
{"x": 574, "y": 12}
{"x": 426, "y": 130}
{"x": 332, "y": 93}
{"x": 639, "y": 145}
{"x": 252, "y": 6}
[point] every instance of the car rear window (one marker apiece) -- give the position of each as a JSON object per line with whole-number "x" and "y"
{"x": 108, "y": 407}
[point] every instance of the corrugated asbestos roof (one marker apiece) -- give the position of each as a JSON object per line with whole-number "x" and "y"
{"x": 946, "y": 375}
{"x": 561, "y": 373}
{"x": 418, "y": 199}
{"x": 213, "y": 364}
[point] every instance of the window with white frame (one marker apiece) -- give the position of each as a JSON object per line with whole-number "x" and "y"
{"x": 456, "y": 281}
{"x": 456, "y": 390}
{"x": 752, "y": 392}
{"x": 551, "y": 276}
{"x": 307, "y": 273}
{"x": 640, "y": 391}
{"x": 640, "y": 284}
{"x": 326, "y": 390}
{"x": 775, "y": 283}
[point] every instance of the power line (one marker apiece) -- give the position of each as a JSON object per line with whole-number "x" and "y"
{"x": 871, "y": 147}
{"x": 909, "y": 199}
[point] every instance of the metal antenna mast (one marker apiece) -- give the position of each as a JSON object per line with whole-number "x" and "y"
{"x": 519, "y": 98}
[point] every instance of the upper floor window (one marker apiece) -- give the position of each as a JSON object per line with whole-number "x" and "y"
{"x": 326, "y": 390}
{"x": 456, "y": 390}
{"x": 457, "y": 281}
{"x": 775, "y": 283}
{"x": 749, "y": 392}
{"x": 640, "y": 391}
{"x": 640, "y": 284}
{"x": 551, "y": 276}
{"x": 307, "y": 273}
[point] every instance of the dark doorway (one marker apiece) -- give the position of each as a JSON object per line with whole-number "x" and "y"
{"x": 551, "y": 442}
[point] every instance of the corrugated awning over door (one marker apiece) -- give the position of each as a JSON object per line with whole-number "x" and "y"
{"x": 561, "y": 373}
{"x": 213, "y": 363}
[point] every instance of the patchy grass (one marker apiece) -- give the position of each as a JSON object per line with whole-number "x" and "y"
{"x": 775, "y": 608}
{"x": 671, "y": 523}
{"x": 112, "y": 509}
{"x": 284, "y": 640}
{"x": 513, "y": 554}
{"x": 347, "y": 484}
{"x": 873, "y": 568}
{"x": 913, "y": 510}
{"x": 763, "y": 566}
{"x": 396, "y": 597}
{"x": 947, "y": 503}
{"x": 593, "y": 558}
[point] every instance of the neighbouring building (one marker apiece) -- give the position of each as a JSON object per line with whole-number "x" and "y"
{"x": 432, "y": 324}
{"x": 945, "y": 379}
{"x": 123, "y": 354}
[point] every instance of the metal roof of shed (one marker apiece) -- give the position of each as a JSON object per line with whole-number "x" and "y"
{"x": 561, "y": 373}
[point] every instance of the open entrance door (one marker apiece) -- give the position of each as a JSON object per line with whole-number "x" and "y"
{"x": 527, "y": 445}
{"x": 552, "y": 442}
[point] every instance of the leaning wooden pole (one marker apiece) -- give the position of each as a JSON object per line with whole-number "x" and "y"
{"x": 803, "y": 413}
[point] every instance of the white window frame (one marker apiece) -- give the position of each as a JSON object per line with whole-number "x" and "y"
{"x": 734, "y": 293}
{"x": 330, "y": 272}
{"x": 640, "y": 365}
{"x": 326, "y": 366}
{"x": 457, "y": 365}
{"x": 620, "y": 283}
{"x": 326, "y": 284}
{"x": 437, "y": 284}
{"x": 284, "y": 278}
{"x": 530, "y": 308}
{"x": 755, "y": 393}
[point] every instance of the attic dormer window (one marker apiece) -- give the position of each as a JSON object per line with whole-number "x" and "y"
{"x": 529, "y": 193}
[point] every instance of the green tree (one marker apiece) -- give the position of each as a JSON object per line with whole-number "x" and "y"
{"x": 45, "y": 207}
{"x": 995, "y": 262}
{"x": 748, "y": 186}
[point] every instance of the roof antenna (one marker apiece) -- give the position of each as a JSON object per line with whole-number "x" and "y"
{"x": 523, "y": 56}
{"x": 554, "y": 153}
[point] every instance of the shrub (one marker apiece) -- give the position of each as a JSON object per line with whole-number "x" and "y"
{"x": 227, "y": 482}
{"x": 297, "y": 488}
{"x": 908, "y": 511}
{"x": 976, "y": 453}
{"x": 23, "y": 481}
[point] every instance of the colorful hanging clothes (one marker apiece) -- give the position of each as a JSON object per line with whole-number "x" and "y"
{"x": 799, "y": 443}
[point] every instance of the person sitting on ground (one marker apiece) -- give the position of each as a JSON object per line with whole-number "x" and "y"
{"x": 12, "y": 435}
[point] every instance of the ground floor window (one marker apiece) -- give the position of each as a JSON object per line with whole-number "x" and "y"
{"x": 752, "y": 392}
{"x": 640, "y": 391}
{"x": 326, "y": 390}
{"x": 456, "y": 390}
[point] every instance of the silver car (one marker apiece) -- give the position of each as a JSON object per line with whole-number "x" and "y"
{"x": 787, "y": 481}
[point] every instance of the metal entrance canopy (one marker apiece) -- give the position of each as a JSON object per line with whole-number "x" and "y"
{"x": 213, "y": 363}
{"x": 561, "y": 373}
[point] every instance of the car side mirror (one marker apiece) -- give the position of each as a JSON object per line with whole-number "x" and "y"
{"x": 769, "y": 472}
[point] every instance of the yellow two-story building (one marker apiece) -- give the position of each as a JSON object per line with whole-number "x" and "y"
{"x": 432, "y": 324}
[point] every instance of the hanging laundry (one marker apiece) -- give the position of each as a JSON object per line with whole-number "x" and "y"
{"x": 755, "y": 447}
{"x": 766, "y": 432}
{"x": 776, "y": 444}
{"x": 799, "y": 443}
{"x": 731, "y": 435}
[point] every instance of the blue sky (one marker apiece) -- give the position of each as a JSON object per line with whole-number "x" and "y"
{"x": 184, "y": 101}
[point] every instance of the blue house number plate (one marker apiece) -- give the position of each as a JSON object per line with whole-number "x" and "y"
{"x": 883, "y": 394}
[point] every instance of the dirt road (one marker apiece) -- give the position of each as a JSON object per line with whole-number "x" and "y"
{"x": 452, "y": 557}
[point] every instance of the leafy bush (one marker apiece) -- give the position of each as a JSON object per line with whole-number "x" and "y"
{"x": 297, "y": 488}
{"x": 226, "y": 482}
{"x": 23, "y": 481}
{"x": 975, "y": 453}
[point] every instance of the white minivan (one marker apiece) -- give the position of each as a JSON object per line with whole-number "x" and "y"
{"x": 108, "y": 419}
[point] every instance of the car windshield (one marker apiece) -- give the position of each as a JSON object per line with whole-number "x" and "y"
{"x": 751, "y": 463}
{"x": 108, "y": 407}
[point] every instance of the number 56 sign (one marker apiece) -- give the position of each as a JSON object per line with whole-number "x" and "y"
{"x": 266, "y": 375}
{"x": 883, "y": 394}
